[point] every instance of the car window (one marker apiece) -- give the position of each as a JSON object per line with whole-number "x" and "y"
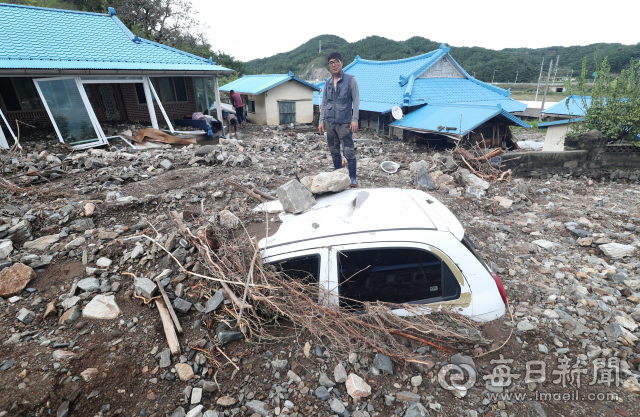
{"x": 394, "y": 275}
{"x": 306, "y": 268}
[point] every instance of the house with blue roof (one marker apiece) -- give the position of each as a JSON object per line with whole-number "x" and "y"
{"x": 76, "y": 70}
{"x": 438, "y": 98}
{"x": 274, "y": 99}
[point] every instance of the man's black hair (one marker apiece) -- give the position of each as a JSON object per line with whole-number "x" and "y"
{"x": 233, "y": 121}
{"x": 231, "y": 92}
{"x": 334, "y": 55}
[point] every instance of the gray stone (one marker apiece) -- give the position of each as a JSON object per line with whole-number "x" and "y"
{"x": 525, "y": 326}
{"x": 337, "y": 406}
{"x": 204, "y": 150}
{"x": 295, "y": 197}
{"x": 210, "y": 413}
{"x": 423, "y": 180}
{"x": 340, "y": 374}
{"x": 165, "y": 358}
{"x": 325, "y": 381}
{"x": 181, "y": 306}
{"x": 71, "y": 315}
{"x": 63, "y": 410}
{"x": 229, "y": 220}
{"x": 279, "y": 363}
{"x": 80, "y": 225}
{"x": 178, "y": 412}
{"x": 196, "y": 396}
{"x": 416, "y": 165}
{"x": 613, "y": 331}
{"x": 104, "y": 262}
{"x": 25, "y": 316}
{"x": 617, "y": 250}
{"x": 194, "y": 412}
{"x": 576, "y": 327}
{"x": 145, "y": 287}
{"x": 214, "y": 302}
{"x": 137, "y": 251}
{"x": 89, "y": 284}
{"x": 537, "y": 407}
{"x": 7, "y": 364}
{"x": 75, "y": 243}
{"x": 209, "y": 386}
{"x": 383, "y": 363}
{"x": 416, "y": 410}
{"x": 580, "y": 232}
{"x": 166, "y": 164}
{"x": 408, "y": 396}
{"x": 228, "y": 337}
{"x": 327, "y": 182}
{"x": 258, "y": 407}
{"x": 6, "y": 248}
{"x": 459, "y": 359}
{"x": 322, "y": 393}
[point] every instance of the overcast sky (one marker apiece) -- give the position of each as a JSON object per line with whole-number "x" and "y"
{"x": 249, "y": 29}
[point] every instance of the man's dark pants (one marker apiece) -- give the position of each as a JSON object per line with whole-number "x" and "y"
{"x": 340, "y": 134}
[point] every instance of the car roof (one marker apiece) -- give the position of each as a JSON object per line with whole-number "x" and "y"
{"x": 366, "y": 210}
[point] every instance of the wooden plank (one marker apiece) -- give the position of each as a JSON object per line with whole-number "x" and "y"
{"x": 169, "y": 331}
{"x": 169, "y": 307}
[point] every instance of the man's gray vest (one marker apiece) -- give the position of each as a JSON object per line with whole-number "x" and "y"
{"x": 339, "y": 100}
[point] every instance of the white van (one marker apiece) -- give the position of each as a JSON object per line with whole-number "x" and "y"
{"x": 386, "y": 244}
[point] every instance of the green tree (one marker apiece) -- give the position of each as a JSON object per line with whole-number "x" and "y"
{"x": 614, "y": 105}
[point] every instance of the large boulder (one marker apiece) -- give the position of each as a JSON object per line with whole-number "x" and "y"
{"x": 423, "y": 181}
{"x": 295, "y": 197}
{"x": 14, "y": 279}
{"x": 326, "y": 182}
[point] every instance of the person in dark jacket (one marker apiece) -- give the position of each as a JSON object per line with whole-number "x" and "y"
{"x": 339, "y": 114}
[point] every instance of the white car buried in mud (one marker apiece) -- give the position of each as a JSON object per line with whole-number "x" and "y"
{"x": 392, "y": 245}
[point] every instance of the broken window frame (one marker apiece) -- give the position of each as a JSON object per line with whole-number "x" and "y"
{"x": 20, "y": 98}
{"x": 251, "y": 106}
{"x": 3, "y": 140}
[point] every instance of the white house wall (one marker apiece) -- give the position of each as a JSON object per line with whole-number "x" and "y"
{"x": 289, "y": 91}
{"x": 554, "y": 140}
{"x": 259, "y": 117}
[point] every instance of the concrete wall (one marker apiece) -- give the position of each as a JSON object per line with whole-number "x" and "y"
{"x": 289, "y": 91}
{"x": 259, "y": 117}
{"x": 554, "y": 139}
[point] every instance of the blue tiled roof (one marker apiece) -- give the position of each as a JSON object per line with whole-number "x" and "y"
{"x": 559, "y": 122}
{"x": 41, "y": 38}
{"x": 396, "y": 83}
{"x": 576, "y": 107}
{"x": 460, "y": 117}
{"x": 258, "y": 84}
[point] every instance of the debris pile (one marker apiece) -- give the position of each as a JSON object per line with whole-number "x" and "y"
{"x": 90, "y": 247}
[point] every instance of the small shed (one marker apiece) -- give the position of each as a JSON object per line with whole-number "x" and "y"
{"x": 275, "y": 99}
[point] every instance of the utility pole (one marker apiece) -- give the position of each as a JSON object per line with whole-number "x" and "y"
{"x": 494, "y": 74}
{"x": 539, "y": 78}
{"x": 544, "y": 98}
{"x": 516, "y": 82}
{"x": 556, "y": 71}
{"x": 320, "y": 47}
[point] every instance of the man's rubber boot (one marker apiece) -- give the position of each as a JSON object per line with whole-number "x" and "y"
{"x": 337, "y": 162}
{"x": 352, "y": 171}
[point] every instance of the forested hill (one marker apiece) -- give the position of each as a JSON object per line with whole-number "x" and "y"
{"x": 306, "y": 62}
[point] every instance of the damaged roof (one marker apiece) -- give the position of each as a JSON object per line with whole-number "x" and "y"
{"x": 569, "y": 106}
{"x": 366, "y": 211}
{"x": 454, "y": 119}
{"x": 42, "y": 38}
{"x": 431, "y": 78}
{"x": 258, "y": 84}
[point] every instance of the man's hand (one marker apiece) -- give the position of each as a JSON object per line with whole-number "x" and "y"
{"x": 321, "y": 129}
{"x": 354, "y": 127}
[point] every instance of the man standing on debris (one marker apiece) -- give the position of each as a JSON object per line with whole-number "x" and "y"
{"x": 236, "y": 102}
{"x": 339, "y": 114}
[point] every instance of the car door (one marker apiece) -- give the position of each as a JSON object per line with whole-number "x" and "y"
{"x": 397, "y": 272}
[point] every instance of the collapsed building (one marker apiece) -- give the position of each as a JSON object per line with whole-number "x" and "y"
{"x": 439, "y": 100}
{"x": 75, "y": 70}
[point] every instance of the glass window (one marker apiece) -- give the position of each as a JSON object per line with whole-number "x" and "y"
{"x": 142, "y": 97}
{"x": 20, "y": 94}
{"x": 251, "y": 107}
{"x": 167, "y": 89}
{"x": 181, "y": 91}
{"x": 305, "y": 268}
{"x": 9, "y": 96}
{"x": 393, "y": 275}
{"x": 205, "y": 97}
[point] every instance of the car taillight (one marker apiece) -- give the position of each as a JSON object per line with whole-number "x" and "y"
{"x": 503, "y": 294}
